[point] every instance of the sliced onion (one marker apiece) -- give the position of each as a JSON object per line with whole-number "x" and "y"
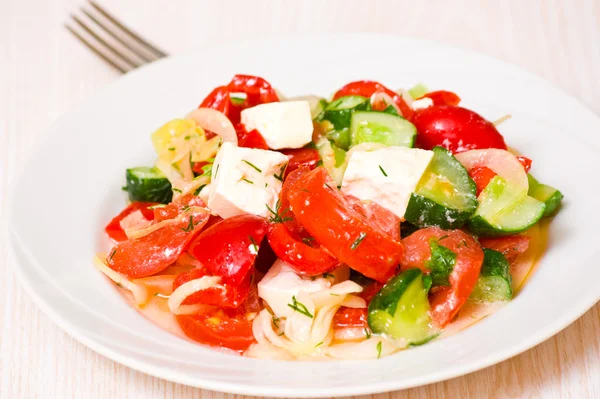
{"x": 189, "y": 288}
{"x": 216, "y": 122}
{"x": 134, "y": 220}
{"x": 141, "y": 295}
{"x": 161, "y": 284}
{"x": 138, "y": 233}
{"x": 372, "y": 348}
{"x": 500, "y": 161}
{"x": 382, "y": 96}
{"x": 350, "y": 334}
{"x": 178, "y": 182}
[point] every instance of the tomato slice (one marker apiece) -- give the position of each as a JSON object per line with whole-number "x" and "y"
{"x": 510, "y": 246}
{"x": 446, "y": 301}
{"x": 367, "y": 88}
{"x": 347, "y": 234}
{"x": 350, "y": 317}
{"x": 216, "y": 328}
{"x": 114, "y": 230}
{"x": 154, "y": 252}
{"x": 308, "y": 157}
{"x": 218, "y": 99}
{"x": 456, "y": 129}
{"x": 230, "y": 297}
{"x": 228, "y": 249}
{"x": 251, "y": 139}
{"x": 442, "y": 97}
{"x": 258, "y": 90}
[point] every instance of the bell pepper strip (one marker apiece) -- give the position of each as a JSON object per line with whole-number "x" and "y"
{"x": 257, "y": 90}
{"x": 251, "y": 139}
{"x": 218, "y": 99}
{"x": 442, "y": 97}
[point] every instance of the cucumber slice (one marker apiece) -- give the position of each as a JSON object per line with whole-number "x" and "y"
{"x": 494, "y": 283}
{"x": 445, "y": 196}
{"x": 503, "y": 210}
{"x": 401, "y": 309}
{"x": 148, "y": 185}
{"x": 381, "y": 127}
{"x": 550, "y": 196}
{"x": 336, "y": 117}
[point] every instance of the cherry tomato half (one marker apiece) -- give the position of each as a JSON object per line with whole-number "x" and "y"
{"x": 446, "y": 301}
{"x": 154, "y": 252}
{"x": 114, "y": 229}
{"x": 367, "y": 88}
{"x": 216, "y": 328}
{"x": 350, "y": 237}
{"x": 456, "y": 129}
{"x": 308, "y": 157}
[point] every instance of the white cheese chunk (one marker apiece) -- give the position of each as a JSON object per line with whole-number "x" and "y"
{"x": 386, "y": 176}
{"x": 281, "y": 283}
{"x": 282, "y": 124}
{"x": 422, "y": 103}
{"x": 244, "y": 180}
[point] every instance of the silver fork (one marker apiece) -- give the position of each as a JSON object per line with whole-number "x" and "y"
{"x": 111, "y": 40}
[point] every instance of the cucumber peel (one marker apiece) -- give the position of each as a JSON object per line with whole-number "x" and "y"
{"x": 550, "y": 196}
{"x": 495, "y": 281}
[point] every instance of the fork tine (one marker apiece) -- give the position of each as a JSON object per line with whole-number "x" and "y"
{"x": 116, "y": 37}
{"x": 95, "y": 50}
{"x": 112, "y": 19}
{"x": 126, "y": 58}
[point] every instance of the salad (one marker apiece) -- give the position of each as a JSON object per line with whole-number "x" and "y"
{"x": 348, "y": 227}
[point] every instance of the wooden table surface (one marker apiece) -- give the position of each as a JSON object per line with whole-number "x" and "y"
{"x": 44, "y": 72}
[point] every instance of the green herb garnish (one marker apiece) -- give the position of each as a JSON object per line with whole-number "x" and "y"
{"x": 299, "y": 307}
{"x": 252, "y": 165}
{"x": 356, "y": 243}
{"x": 383, "y": 171}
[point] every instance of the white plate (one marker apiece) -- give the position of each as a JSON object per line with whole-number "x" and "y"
{"x": 71, "y": 188}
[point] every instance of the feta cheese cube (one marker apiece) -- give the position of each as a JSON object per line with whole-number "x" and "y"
{"x": 386, "y": 176}
{"x": 281, "y": 283}
{"x": 422, "y": 103}
{"x": 282, "y": 124}
{"x": 244, "y": 181}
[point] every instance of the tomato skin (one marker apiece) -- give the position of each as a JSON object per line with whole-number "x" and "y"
{"x": 307, "y": 260}
{"x": 218, "y": 329}
{"x": 258, "y": 90}
{"x": 308, "y": 157}
{"x": 446, "y": 301}
{"x": 482, "y": 175}
{"x": 226, "y": 249}
{"x": 442, "y": 97}
{"x": 114, "y": 230}
{"x": 154, "y": 252}
{"x": 510, "y": 246}
{"x": 251, "y": 139}
{"x": 330, "y": 218}
{"x": 350, "y": 317}
{"x": 455, "y": 128}
{"x": 230, "y": 297}
{"x": 367, "y": 88}
{"x": 218, "y": 99}
{"x": 526, "y": 162}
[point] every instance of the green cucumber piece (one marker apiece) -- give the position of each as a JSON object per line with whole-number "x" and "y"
{"x": 148, "y": 185}
{"x": 381, "y": 127}
{"x": 400, "y": 309}
{"x": 504, "y": 210}
{"x": 336, "y": 117}
{"x": 550, "y": 196}
{"x": 332, "y": 159}
{"x": 495, "y": 281}
{"x": 391, "y": 110}
{"x": 445, "y": 196}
